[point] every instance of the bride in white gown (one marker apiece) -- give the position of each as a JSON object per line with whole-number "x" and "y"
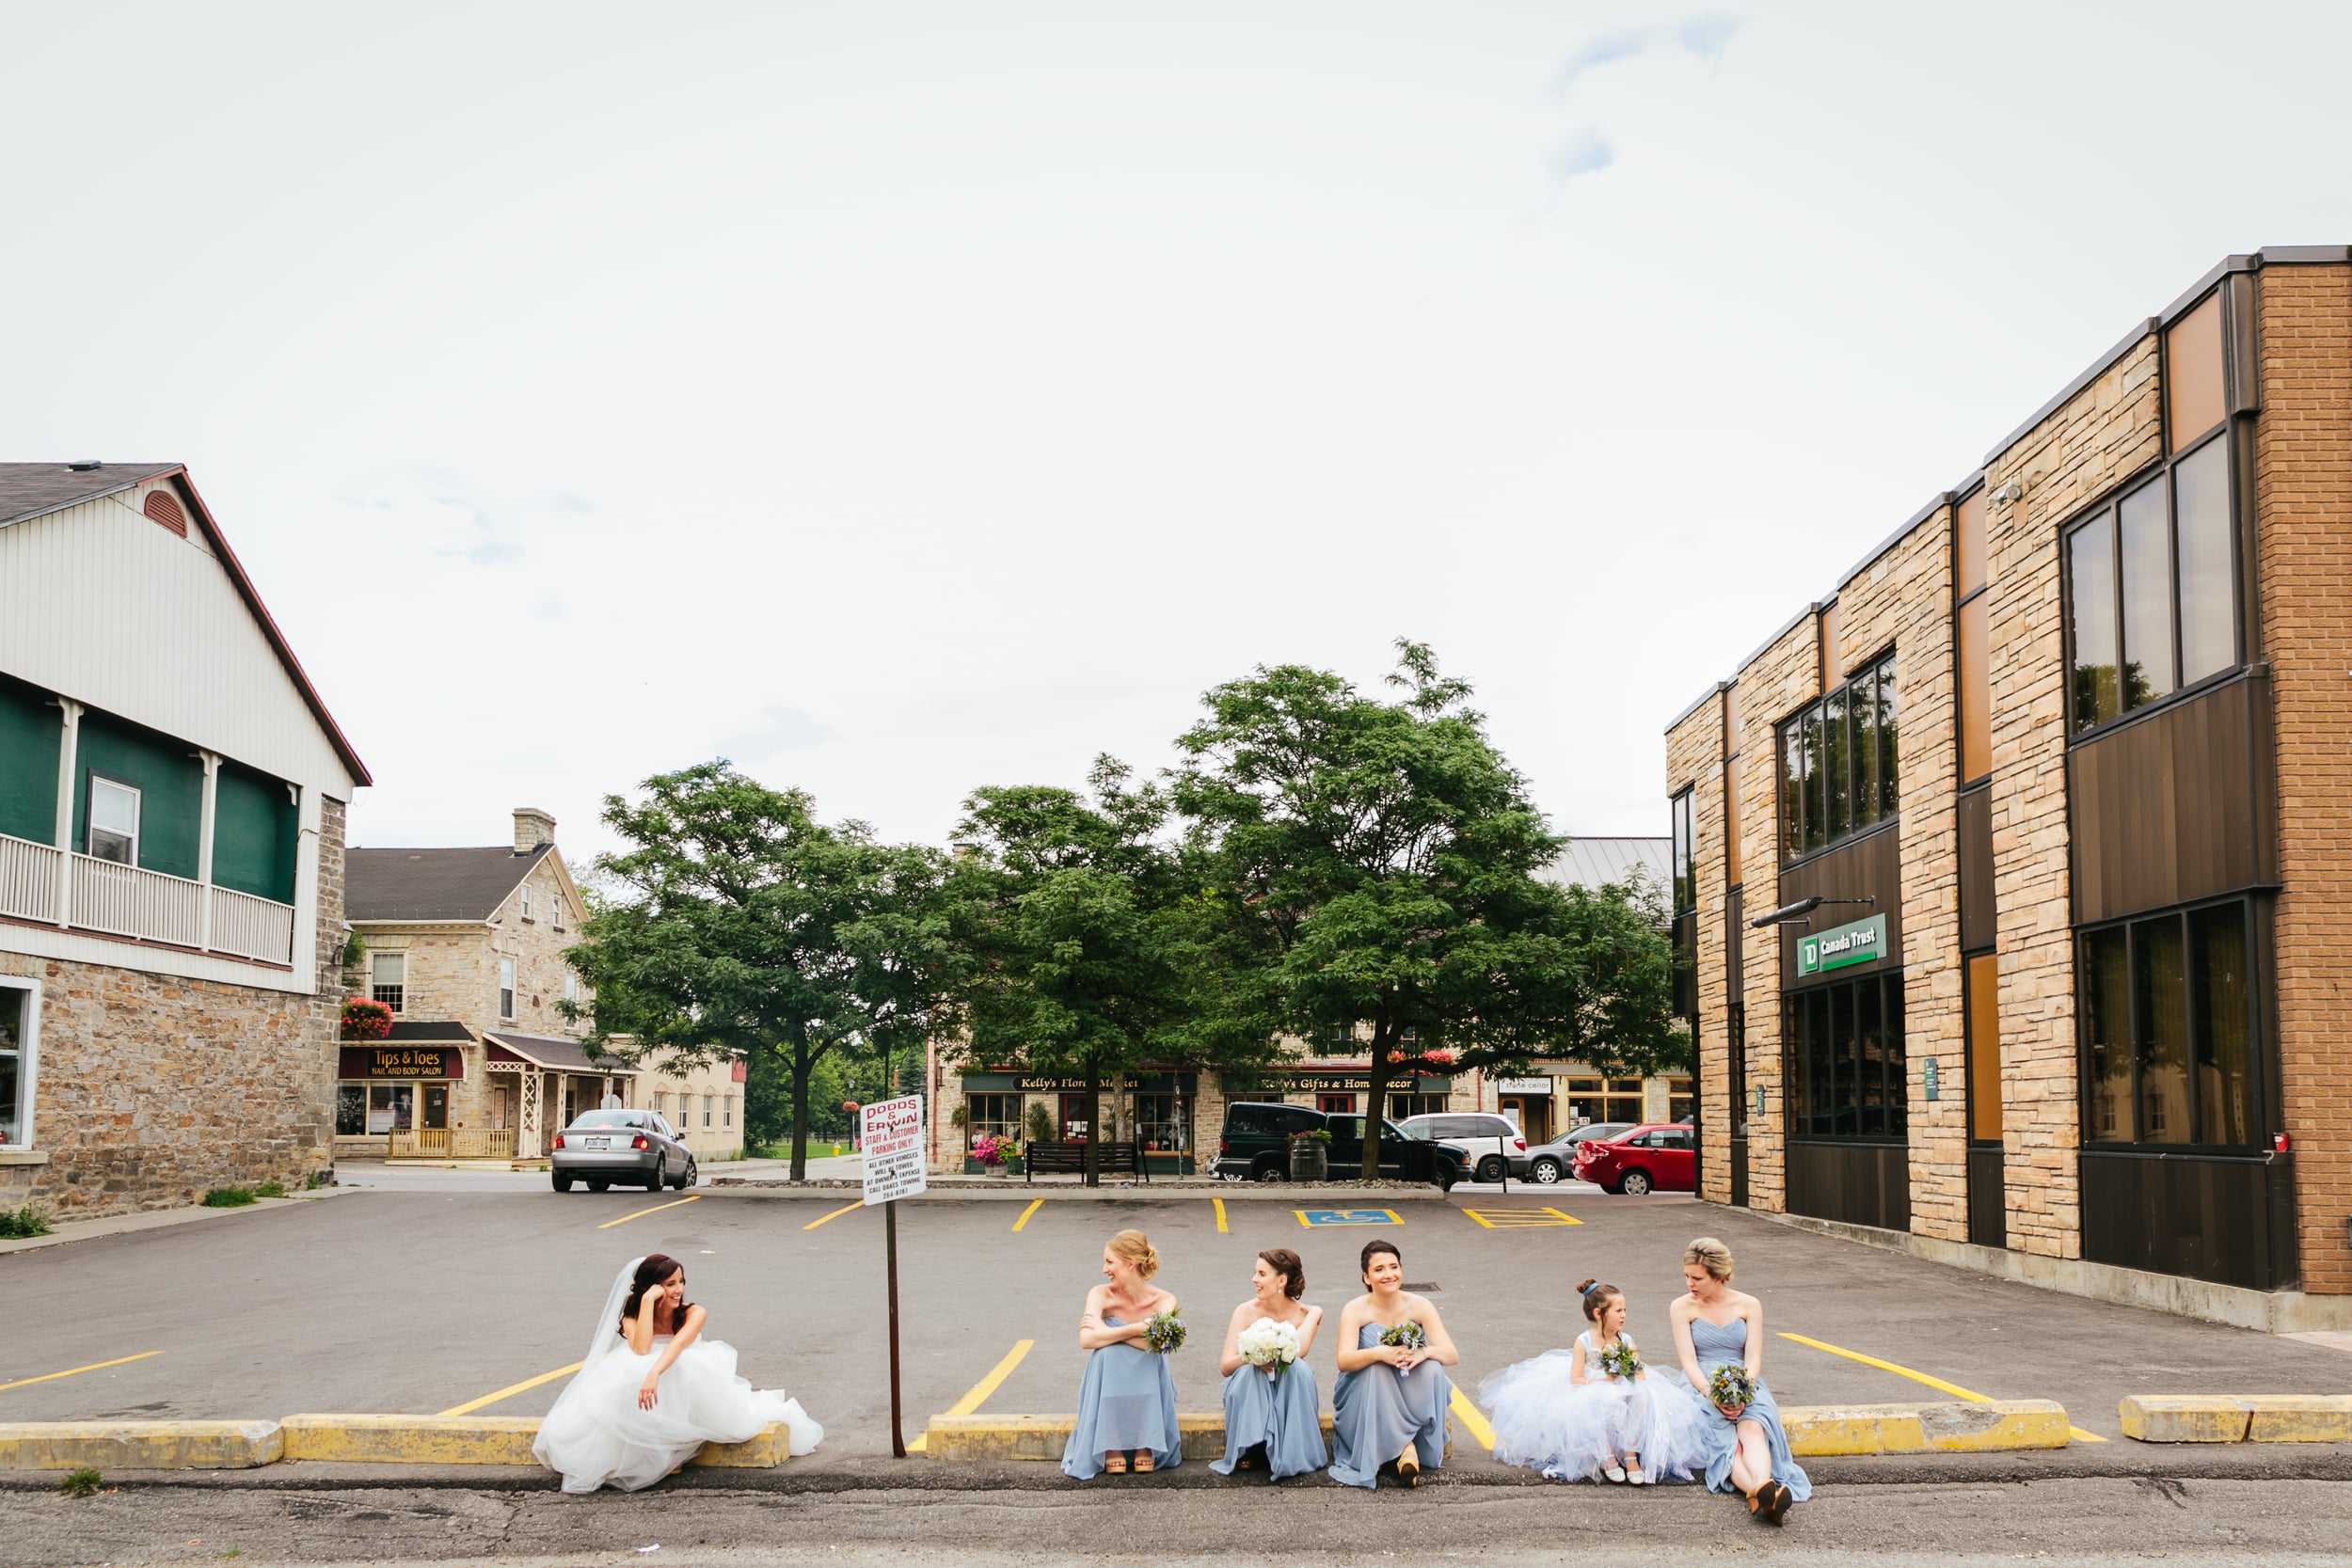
{"x": 652, "y": 1391}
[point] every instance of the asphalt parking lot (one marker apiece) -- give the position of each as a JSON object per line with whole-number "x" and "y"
{"x": 435, "y": 1301}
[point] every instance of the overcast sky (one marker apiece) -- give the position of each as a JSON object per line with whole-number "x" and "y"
{"x": 900, "y": 399}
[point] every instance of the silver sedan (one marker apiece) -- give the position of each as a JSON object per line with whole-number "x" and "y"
{"x": 636, "y": 1149}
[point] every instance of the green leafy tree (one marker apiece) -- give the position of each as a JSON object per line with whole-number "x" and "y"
{"x": 1073, "y": 919}
{"x": 737, "y": 925}
{"x": 1377, "y": 860}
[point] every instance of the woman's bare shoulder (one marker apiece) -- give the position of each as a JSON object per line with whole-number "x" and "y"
{"x": 1681, "y": 1308}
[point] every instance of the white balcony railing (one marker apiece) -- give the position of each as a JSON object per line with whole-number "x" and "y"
{"x": 131, "y": 901}
{"x": 28, "y": 879}
{"x": 252, "y": 928}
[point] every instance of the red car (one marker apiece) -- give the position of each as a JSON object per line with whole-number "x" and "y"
{"x": 1655, "y": 1157}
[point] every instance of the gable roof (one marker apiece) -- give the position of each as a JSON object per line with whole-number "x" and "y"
{"x": 1592, "y": 862}
{"x": 30, "y": 490}
{"x": 434, "y": 885}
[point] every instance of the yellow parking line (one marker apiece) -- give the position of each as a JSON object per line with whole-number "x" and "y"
{"x": 511, "y": 1391}
{"x": 642, "y": 1213}
{"x": 835, "y": 1214}
{"x": 1952, "y": 1388}
{"x": 1472, "y": 1419}
{"x": 1480, "y": 1218}
{"x": 1522, "y": 1219}
{"x": 1035, "y": 1204}
{"x": 1220, "y": 1215}
{"x": 76, "y": 1372}
{"x": 977, "y": 1394}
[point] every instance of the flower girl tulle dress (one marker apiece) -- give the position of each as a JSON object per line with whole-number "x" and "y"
{"x": 596, "y": 1436}
{"x": 1546, "y": 1420}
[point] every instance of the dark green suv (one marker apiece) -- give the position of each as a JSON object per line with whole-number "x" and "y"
{"x": 1256, "y": 1144}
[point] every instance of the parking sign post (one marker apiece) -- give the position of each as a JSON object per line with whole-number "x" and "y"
{"x": 891, "y": 1135}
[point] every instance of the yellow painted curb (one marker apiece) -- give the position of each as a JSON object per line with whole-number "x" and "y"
{"x": 2237, "y": 1418}
{"x": 1200, "y": 1436}
{"x": 474, "y": 1440}
{"x": 139, "y": 1445}
{"x": 1987, "y": 1427}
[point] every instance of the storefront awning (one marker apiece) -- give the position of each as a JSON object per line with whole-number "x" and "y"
{"x": 552, "y": 1055}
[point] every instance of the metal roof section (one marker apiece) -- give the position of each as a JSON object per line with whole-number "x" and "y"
{"x": 557, "y": 1056}
{"x": 1594, "y": 863}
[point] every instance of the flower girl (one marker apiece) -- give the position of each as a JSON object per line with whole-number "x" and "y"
{"x": 1590, "y": 1410}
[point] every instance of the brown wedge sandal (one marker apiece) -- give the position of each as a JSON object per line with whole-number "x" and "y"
{"x": 1143, "y": 1461}
{"x": 1408, "y": 1468}
{"x": 1114, "y": 1464}
{"x": 1778, "y": 1503}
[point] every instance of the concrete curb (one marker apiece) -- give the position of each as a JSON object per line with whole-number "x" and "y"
{"x": 1997, "y": 1426}
{"x": 476, "y": 1440}
{"x": 140, "y": 1445}
{"x": 1994, "y": 1426}
{"x": 2237, "y": 1418}
{"x": 68, "y": 1231}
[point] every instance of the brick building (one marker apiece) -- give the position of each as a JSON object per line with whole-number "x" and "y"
{"x": 172, "y": 796}
{"x": 2013, "y": 872}
{"x": 466, "y": 947}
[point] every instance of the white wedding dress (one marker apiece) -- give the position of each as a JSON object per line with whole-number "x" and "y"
{"x": 597, "y": 1436}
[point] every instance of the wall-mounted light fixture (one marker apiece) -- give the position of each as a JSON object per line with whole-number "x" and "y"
{"x": 1794, "y": 914}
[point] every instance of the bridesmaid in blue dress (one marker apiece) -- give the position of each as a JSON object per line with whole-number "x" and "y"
{"x": 1273, "y": 1420}
{"x": 1744, "y": 1447}
{"x": 1127, "y": 1405}
{"x": 1389, "y": 1403}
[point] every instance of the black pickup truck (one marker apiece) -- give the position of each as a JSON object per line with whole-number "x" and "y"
{"x": 1255, "y": 1146}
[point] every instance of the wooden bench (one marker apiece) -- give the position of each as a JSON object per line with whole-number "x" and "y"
{"x": 1069, "y": 1158}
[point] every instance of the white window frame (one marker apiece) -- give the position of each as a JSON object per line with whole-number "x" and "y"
{"x": 400, "y": 985}
{"x": 506, "y": 989}
{"x": 522, "y": 897}
{"x": 559, "y": 912}
{"x": 27, "y": 1059}
{"x": 726, "y": 1114}
{"x": 707, "y": 1100}
{"x": 89, "y": 815}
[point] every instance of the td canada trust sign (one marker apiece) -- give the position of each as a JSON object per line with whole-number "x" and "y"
{"x": 1862, "y": 943}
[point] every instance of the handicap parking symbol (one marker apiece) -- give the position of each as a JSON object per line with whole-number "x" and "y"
{"x": 1347, "y": 1216}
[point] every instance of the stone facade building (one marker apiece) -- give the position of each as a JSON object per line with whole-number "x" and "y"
{"x": 703, "y": 1102}
{"x": 173, "y": 797}
{"x": 465, "y": 947}
{"x": 2015, "y": 866}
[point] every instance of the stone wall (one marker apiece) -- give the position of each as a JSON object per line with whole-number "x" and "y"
{"x": 2105, "y": 432}
{"x": 1694, "y": 761}
{"x": 2303, "y": 455}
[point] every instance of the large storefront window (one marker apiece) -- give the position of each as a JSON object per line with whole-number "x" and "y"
{"x": 1837, "y": 760}
{"x": 19, "y": 1017}
{"x": 2167, "y": 1029}
{"x": 1682, "y": 1103}
{"x": 996, "y": 1114}
{"x": 1404, "y": 1106}
{"x": 1156, "y": 1127}
{"x": 1847, "y": 1072}
{"x": 1604, "y": 1099}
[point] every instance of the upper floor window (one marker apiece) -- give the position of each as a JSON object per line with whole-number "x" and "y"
{"x": 1837, "y": 761}
{"x": 114, "y": 822}
{"x": 506, "y": 987}
{"x": 2151, "y": 588}
{"x": 388, "y": 978}
{"x": 522, "y": 895}
{"x": 561, "y": 912}
{"x": 1686, "y": 888}
{"x": 1336, "y": 1036}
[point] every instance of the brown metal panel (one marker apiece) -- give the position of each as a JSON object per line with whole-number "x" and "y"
{"x": 1858, "y": 1183}
{"x": 1977, "y": 906}
{"x": 1868, "y": 866}
{"x": 2206, "y": 1217}
{"x": 2176, "y": 807}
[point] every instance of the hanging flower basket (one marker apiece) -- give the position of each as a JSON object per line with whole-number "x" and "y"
{"x": 366, "y": 1020}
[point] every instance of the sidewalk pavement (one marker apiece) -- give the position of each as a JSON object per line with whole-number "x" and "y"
{"x": 155, "y": 1219}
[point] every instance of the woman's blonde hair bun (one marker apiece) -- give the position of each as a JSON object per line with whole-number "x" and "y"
{"x": 1710, "y": 1255}
{"x": 1137, "y": 1248}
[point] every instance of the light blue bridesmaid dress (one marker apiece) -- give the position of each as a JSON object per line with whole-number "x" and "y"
{"x": 1378, "y": 1410}
{"x": 1127, "y": 1402}
{"x": 1718, "y": 1437}
{"x": 1283, "y": 1412}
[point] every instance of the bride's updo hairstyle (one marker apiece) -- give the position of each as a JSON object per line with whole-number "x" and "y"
{"x": 1135, "y": 1249}
{"x": 1710, "y": 1255}
{"x": 651, "y": 1274}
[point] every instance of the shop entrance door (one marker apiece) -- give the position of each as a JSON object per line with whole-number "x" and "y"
{"x": 1533, "y": 1113}
{"x": 435, "y": 1106}
{"x": 1075, "y": 1126}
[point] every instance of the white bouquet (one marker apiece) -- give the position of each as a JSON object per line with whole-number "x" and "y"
{"x": 1269, "y": 1344}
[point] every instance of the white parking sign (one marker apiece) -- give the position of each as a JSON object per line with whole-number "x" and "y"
{"x": 890, "y": 1134}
